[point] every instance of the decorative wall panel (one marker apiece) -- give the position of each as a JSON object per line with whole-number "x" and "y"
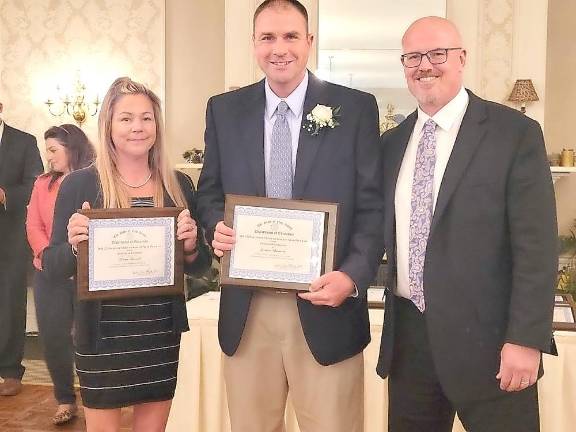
{"x": 496, "y": 33}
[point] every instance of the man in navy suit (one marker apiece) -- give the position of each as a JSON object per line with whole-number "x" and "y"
{"x": 470, "y": 236}
{"x": 309, "y": 345}
{"x": 20, "y": 164}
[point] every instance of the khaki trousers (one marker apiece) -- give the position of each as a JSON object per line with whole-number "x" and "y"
{"x": 273, "y": 359}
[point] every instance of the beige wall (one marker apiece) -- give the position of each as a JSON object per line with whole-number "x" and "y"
{"x": 44, "y": 42}
{"x": 194, "y": 69}
{"x": 561, "y": 97}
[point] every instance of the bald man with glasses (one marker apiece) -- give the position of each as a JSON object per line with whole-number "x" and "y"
{"x": 470, "y": 233}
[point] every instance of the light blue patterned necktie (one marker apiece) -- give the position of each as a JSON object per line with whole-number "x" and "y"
{"x": 421, "y": 212}
{"x": 279, "y": 179}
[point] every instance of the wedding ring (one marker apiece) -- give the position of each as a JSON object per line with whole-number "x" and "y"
{"x": 524, "y": 382}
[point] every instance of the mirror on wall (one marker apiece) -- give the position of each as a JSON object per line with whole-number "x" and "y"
{"x": 359, "y": 46}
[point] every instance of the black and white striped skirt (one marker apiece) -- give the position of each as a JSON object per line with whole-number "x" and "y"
{"x": 138, "y": 357}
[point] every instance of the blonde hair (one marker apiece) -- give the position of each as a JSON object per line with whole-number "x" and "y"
{"x": 113, "y": 193}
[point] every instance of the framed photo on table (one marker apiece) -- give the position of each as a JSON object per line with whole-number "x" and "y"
{"x": 564, "y": 312}
{"x": 130, "y": 252}
{"x": 280, "y": 244}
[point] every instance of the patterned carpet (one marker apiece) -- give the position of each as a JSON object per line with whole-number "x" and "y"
{"x": 37, "y": 373}
{"x": 36, "y": 370}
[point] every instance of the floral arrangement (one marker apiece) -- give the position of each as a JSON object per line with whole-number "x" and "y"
{"x": 193, "y": 156}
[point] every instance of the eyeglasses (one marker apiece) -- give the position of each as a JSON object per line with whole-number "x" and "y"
{"x": 435, "y": 56}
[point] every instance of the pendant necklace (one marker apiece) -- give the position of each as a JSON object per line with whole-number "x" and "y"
{"x": 138, "y": 185}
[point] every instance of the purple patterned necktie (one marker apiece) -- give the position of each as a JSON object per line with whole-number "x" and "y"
{"x": 421, "y": 211}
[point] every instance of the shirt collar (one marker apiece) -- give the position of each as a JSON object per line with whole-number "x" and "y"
{"x": 448, "y": 114}
{"x": 1, "y": 130}
{"x": 295, "y": 100}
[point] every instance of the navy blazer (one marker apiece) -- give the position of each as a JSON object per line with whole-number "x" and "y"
{"x": 20, "y": 164}
{"x": 338, "y": 165}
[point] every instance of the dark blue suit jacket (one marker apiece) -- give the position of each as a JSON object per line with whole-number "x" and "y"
{"x": 338, "y": 165}
{"x": 20, "y": 164}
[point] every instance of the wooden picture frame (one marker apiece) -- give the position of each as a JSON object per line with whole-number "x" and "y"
{"x": 137, "y": 220}
{"x": 292, "y": 210}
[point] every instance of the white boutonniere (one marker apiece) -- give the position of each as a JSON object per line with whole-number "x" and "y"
{"x": 320, "y": 117}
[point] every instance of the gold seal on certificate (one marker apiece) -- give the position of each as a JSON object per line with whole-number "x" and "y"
{"x": 130, "y": 252}
{"x": 280, "y": 244}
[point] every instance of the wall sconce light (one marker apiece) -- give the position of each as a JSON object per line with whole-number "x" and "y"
{"x": 75, "y": 105}
{"x": 523, "y": 92}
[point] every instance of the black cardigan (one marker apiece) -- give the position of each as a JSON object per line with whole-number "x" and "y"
{"x": 59, "y": 262}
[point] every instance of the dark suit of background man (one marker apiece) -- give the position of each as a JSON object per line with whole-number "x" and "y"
{"x": 471, "y": 239}
{"x": 20, "y": 163}
{"x": 276, "y": 342}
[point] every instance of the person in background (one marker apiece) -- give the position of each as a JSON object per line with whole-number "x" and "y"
{"x": 20, "y": 164}
{"x": 126, "y": 349}
{"x": 67, "y": 149}
{"x": 470, "y": 234}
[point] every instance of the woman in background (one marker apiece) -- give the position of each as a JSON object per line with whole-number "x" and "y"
{"x": 127, "y": 350}
{"x": 67, "y": 149}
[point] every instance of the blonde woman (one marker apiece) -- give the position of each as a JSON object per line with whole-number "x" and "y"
{"x": 126, "y": 350}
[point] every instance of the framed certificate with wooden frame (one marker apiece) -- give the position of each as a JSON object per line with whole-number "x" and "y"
{"x": 564, "y": 312}
{"x": 130, "y": 252}
{"x": 280, "y": 244}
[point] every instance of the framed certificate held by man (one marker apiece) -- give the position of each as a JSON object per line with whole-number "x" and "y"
{"x": 130, "y": 252}
{"x": 280, "y": 244}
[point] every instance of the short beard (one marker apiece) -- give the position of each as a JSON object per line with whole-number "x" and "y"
{"x": 428, "y": 100}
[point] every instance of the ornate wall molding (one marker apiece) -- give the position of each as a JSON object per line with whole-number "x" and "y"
{"x": 496, "y": 33}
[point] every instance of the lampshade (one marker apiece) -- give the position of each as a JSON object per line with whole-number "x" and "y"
{"x": 523, "y": 91}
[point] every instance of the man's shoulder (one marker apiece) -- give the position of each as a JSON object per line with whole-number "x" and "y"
{"x": 238, "y": 96}
{"x": 19, "y": 135}
{"x": 339, "y": 90}
{"x": 502, "y": 115}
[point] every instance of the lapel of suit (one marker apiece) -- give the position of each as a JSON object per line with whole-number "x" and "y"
{"x": 251, "y": 119}
{"x": 393, "y": 163}
{"x": 7, "y": 143}
{"x": 470, "y": 135}
{"x": 4, "y": 144}
{"x": 308, "y": 145}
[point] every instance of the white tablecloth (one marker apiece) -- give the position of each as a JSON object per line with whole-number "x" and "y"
{"x": 200, "y": 400}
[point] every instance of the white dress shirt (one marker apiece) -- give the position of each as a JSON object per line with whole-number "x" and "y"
{"x": 448, "y": 121}
{"x": 1, "y": 130}
{"x": 1, "y": 134}
{"x": 295, "y": 102}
